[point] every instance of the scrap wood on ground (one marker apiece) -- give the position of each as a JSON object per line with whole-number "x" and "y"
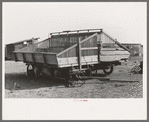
{"x": 138, "y": 68}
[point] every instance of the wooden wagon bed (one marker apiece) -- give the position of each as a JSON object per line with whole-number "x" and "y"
{"x": 73, "y": 48}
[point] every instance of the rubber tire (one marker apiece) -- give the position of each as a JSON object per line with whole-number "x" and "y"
{"x": 111, "y": 70}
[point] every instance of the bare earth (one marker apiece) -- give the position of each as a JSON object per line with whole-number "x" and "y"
{"x": 15, "y": 72}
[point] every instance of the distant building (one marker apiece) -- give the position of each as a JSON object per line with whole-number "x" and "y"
{"x": 9, "y": 48}
{"x": 136, "y": 49}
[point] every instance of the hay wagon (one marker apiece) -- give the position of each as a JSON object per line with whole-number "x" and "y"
{"x": 74, "y": 53}
{"x": 9, "y": 48}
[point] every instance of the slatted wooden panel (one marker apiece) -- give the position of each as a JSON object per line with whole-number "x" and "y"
{"x": 9, "y": 51}
{"x": 108, "y": 42}
{"x": 70, "y": 53}
{"x": 18, "y": 46}
{"x": 30, "y": 48}
{"x": 90, "y": 43}
{"x": 111, "y": 51}
{"x": 89, "y": 52}
{"x": 57, "y": 44}
{"x": 51, "y": 59}
{"x": 28, "y": 57}
{"x": 63, "y": 41}
{"x": 43, "y": 44}
{"x": 38, "y": 58}
{"x": 85, "y": 44}
{"x": 19, "y": 56}
{"x": 55, "y": 49}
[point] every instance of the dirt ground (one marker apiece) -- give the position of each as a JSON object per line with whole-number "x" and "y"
{"x": 15, "y": 72}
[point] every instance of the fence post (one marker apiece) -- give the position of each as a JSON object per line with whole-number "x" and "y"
{"x": 79, "y": 53}
{"x": 99, "y": 46}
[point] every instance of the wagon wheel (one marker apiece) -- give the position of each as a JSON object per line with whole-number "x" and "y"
{"x": 30, "y": 71}
{"x": 77, "y": 81}
{"x": 108, "y": 69}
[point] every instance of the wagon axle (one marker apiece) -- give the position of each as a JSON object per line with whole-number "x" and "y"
{"x": 69, "y": 79}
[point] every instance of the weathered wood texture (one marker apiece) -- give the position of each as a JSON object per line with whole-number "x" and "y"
{"x": 34, "y": 57}
{"x": 30, "y": 48}
{"x": 108, "y": 42}
{"x": 63, "y": 50}
{"x": 86, "y": 50}
{"x": 86, "y": 47}
{"x": 17, "y": 46}
{"x": 90, "y": 43}
{"x": 9, "y": 51}
{"x": 56, "y": 44}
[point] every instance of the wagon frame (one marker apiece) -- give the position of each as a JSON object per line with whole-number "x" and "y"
{"x": 71, "y": 58}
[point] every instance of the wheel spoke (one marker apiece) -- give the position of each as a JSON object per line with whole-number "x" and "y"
{"x": 77, "y": 81}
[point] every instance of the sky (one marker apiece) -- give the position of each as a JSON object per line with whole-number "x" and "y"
{"x": 124, "y": 21}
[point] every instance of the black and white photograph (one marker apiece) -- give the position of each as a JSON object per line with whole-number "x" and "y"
{"x": 61, "y": 59}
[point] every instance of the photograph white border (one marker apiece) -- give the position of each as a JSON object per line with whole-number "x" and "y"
{"x": 67, "y": 109}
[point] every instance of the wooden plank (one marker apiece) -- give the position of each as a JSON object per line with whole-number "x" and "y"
{"x": 15, "y": 57}
{"x": 59, "y": 47}
{"x": 72, "y": 52}
{"x": 90, "y": 42}
{"x": 28, "y": 57}
{"x": 19, "y": 56}
{"x": 76, "y": 44}
{"x": 24, "y": 60}
{"x": 116, "y": 52}
{"x": 76, "y": 64}
{"x": 51, "y": 59}
{"x": 99, "y": 46}
{"x": 89, "y": 48}
{"x": 112, "y": 49}
{"x": 89, "y": 37}
{"x": 35, "y": 52}
{"x": 76, "y": 31}
{"x": 89, "y": 52}
{"x": 99, "y": 49}
{"x": 116, "y": 42}
{"x": 79, "y": 54}
{"x": 33, "y": 58}
{"x": 108, "y": 35}
{"x": 110, "y": 58}
{"x": 74, "y": 60}
{"x": 67, "y": 50}
{"x": 38, "y": 58}
{"x": 44, "y": 59}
